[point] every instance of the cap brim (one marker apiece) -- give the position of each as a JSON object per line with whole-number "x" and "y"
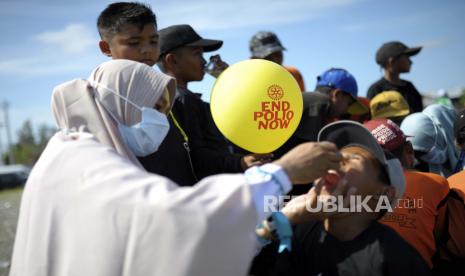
{"x": 208, "y": 45}
{"x": 268, "y": 50}
{"x": 350, "y": 133}
{"x": 390, "y": 114}
{"x": 412, "y": 51}
{"x": 357, "y": 108}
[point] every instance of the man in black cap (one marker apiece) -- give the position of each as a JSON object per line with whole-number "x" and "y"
{"x": 181, "y": 56}
{"x": 394, "y": 58}
{"x": 266, "y": 45}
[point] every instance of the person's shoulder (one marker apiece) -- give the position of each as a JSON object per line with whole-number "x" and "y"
{"x": 316, "y": 103}
{"x": 376, "y": 88}
{"x": 399, "y": 253}
{"x": 388, "y": 237}
{"x": 408, "y": 84}
{"x": 85, "y": 146}
{"x": 303, "y": 231}
{"x": 457, "y": 180}
{"x": 457, "y": 183}
{"x": 391, "y": 242}
{"x": 192, "y": 100}
{"x": 292, "y": 69}
{"x": 429, "y": 185}
{"x": 430, "y": 180}
{"x": 70, "y": 150}
{"x": 315, "y": 98}
{"x": 73, "y": 139}
{"x": 379, "y": 82}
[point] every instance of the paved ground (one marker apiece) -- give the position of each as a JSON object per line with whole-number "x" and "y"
{"x": 9, "y": 207}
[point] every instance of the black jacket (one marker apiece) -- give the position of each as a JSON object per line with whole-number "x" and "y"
{"x": 210, "y": 151}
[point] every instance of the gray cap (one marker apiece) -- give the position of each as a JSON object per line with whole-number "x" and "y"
{"x": 263, "y": 44}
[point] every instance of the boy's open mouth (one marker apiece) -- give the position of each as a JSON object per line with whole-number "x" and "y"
{"x": 331, "y": 179}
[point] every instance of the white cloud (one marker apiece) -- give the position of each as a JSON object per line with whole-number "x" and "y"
{"x": 74, "y": 38}
{"x": 386, "y": 23}
{"x": 72, "y": 49}
{"x": 224, "y": 15}
{"x": 437, "y": 42}
{"x": 50, "y": 64}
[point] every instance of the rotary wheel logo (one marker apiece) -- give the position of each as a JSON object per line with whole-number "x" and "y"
{"x": 275, "y": 92}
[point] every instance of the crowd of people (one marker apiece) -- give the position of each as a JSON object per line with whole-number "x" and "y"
{"x": 140, "y": 181}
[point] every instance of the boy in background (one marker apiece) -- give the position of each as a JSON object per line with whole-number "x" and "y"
{"x": 129, "y": 31}
{"x": 266, "y": 45}
{"x": 394, "y": 58}
{"x": 419, "y": 216}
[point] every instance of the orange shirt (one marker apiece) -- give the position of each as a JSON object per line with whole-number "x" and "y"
{"x": 457, "y": 182}
{"x": 456, "y": 210}
{"x": 297, "y": 76}
{"x": 420, "y": 213}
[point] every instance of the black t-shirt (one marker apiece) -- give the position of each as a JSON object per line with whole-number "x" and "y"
{"x": 406, "y": 88}
{"x": 378, "y": 250}
{"x": 315, "y": 115}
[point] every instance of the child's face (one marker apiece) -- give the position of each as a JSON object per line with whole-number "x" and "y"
{"x": 360, "y": 172}
{"x": 276, "y": 57}
{"x": 341, "y": 102}
{"x": 134, "y": 44}
{"x": 190, "y": 63}
{"x": 402, "y": 64}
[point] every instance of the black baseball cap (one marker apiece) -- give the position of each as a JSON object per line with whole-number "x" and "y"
{"x": 346, "y": 133}
{"x": 394, "y": 49}
{"x": 176, "y": 36}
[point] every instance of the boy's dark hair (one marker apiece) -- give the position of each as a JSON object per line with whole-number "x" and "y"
{"x": 398, "y": 152}
{"x": 115, "y": 15}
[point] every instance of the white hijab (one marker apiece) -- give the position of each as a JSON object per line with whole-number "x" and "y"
{"x": 88, "y": 209}
{"x": 78, "y": 103}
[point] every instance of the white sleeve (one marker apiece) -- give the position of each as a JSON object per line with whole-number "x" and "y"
{"x": 267, "y": 183}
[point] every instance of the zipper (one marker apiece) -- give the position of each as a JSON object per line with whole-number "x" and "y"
{"x": 185, "y": 144}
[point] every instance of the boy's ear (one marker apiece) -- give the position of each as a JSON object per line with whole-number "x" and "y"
{"x": 335, "y": 94}
{"x": 105, "y": 48}
{"x": 170, "y": 59}
{"x": 409, "y": 154}
{"x": 389, "y": 62}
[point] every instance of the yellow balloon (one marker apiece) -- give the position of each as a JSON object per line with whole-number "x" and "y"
{"x": 257, "y": 105}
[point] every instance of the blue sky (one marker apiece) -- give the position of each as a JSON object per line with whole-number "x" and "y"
{"x": 45, "y": 43}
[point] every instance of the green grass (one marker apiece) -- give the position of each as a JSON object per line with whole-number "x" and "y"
{"x": 9, "y": 210}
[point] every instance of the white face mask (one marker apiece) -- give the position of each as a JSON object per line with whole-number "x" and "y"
{"x": 145, "y": 137}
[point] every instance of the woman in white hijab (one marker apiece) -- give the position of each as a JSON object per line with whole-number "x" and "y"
{"x": 89, "y": 208}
